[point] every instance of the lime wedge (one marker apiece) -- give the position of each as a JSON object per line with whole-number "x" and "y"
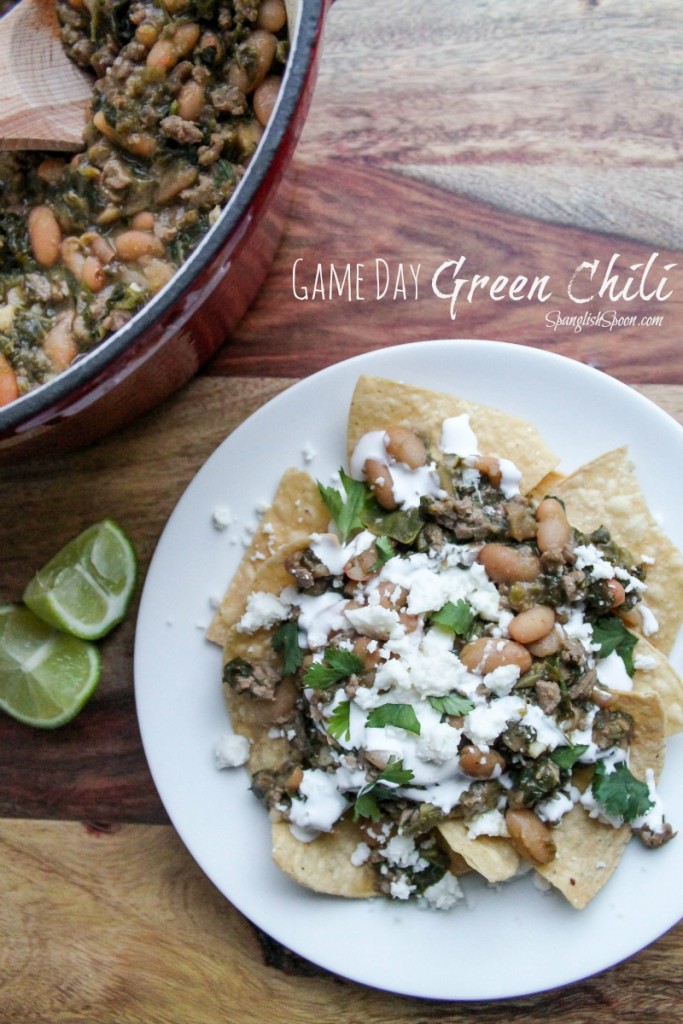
{"x": 46, "y": 676}
{"x": 86, "y": 588}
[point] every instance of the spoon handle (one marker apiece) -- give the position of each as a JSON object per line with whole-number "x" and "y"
{"x": 45, "y": 96}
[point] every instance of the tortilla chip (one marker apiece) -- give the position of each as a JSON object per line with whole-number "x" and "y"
{"x": 324, "y": 864}
{"x": 606, "y": 492}
{"x": 588, "y": 850}
{"x": 296, "y": 512}
{"x": 661, "y": 680}
{"x": 490, "y": 856}
{"x": 378, "y": 403}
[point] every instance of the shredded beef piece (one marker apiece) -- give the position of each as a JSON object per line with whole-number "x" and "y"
{"x": 548, "y": 695}
{"x": 584, "y": 685}
{"x": 308, "y": 571}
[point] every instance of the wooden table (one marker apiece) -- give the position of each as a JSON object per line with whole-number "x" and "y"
{"x": 505, "y": 138}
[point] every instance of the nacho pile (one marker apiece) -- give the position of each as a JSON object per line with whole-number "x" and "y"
{"x": 452, "y": 659}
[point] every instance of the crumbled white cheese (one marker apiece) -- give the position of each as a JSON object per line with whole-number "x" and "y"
{"x": 360, "y": 854}
{"x": 489, "y": 823}
{"x": 222, "y": 517}
{"x": 442, "y": 895}
{"x": 263, "y": 611}
{"x": 231, "y": 751}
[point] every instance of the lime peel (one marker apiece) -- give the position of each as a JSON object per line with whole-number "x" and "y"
{"x": 46, "y": 676}
{"x": 86, "y": 589}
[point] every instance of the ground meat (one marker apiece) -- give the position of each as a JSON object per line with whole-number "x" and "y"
{"x": 548, "y": 695}
{"x": 260, "y": 680}
{"x": 308, "y": 571}
{"x": 466, "y": 519}
{"x": 176, "y": 128}
{"x": 611, "y": 728}
{"x": 651, "y": 838}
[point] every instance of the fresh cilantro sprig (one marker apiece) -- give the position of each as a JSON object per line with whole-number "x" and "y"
{"x": 401, "y": 715}
{"x": 367, "y": 801}
{"x": 337, "y": 665}
{"x": 347, "y": 509}
{"x": 285, "y": 639}
{"x": 619, "y": 792}
{"x": 612, "y": 635}
{"x": 339, "y": 722}
{"x": 566, "y": 757}
{"x": 452, "y": 704}
{"x": 456, "y": 617}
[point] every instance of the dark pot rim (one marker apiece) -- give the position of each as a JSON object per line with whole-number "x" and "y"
{"x": 56, "y": 392}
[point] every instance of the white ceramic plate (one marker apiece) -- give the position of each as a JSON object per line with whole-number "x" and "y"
{"x": 508, "y": 941}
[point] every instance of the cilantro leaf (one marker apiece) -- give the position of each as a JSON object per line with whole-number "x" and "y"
{"x": 346, "y": 509}
{"x": 566, "y": 757}
{"x": 337, "y": 664}
{"x": 385, "y": 551}
{"x": 339, "y": 722}
{"x": 452, "y": 704}
{"x": 619, "y": 792}
{"x": 366, "y": 806}
{"x": 401, "y": 715}
{"x": 612, "y": 635}
{"x": 395, "y": 773}
{"x": 457, "y": 618}
{"x": 367, "y": 801}
{"x": 286, "y": 640}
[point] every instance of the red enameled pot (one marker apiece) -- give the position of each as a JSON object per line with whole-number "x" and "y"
{"x": 164, "y": 345}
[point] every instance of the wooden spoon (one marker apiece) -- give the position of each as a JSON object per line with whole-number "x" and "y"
{"x": 44, "y": 95}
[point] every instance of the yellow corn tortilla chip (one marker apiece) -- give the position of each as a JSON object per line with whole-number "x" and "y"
{"x": 490, "y": 856}
{"x": 588, "y": 850}
{"x": 296, "y": 512}
{"x": 606, "y": 492}
{"x": 324, "y": 864}
{"x": 661, "y": 680}
{"x": 378, "y": 403}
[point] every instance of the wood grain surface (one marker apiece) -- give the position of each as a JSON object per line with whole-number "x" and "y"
{"x": 524, "y": 138}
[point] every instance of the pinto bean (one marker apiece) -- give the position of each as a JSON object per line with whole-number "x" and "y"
{"x": 272, "y": 15}
{"x": 530, "y": 837}
{"x": 45, "y": 235}
{"x": 92, "y": 274}
{"x": 265, "y": 98}
{"x": 133, "y": 244}
{"x": 487, "y": 653}
{"x": 59, "y": 344}
{"x": 9, "y": 388}
{"x": 381, "y": 483}
{"x": 506, "y": 564}
{"x": 490, "y": 467}
{"x": 553, "y": 534}
{"x": 261, "y": 47}
{"x": 533, "y": 624}
{"x": 550, "y": 508}
{"x": 480, "y": 764}
{"x": 191, "y": 99}
{"x": 549, "y": 644}
{"x": 616, "y": 592}
{"x": 405, "y": 446}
